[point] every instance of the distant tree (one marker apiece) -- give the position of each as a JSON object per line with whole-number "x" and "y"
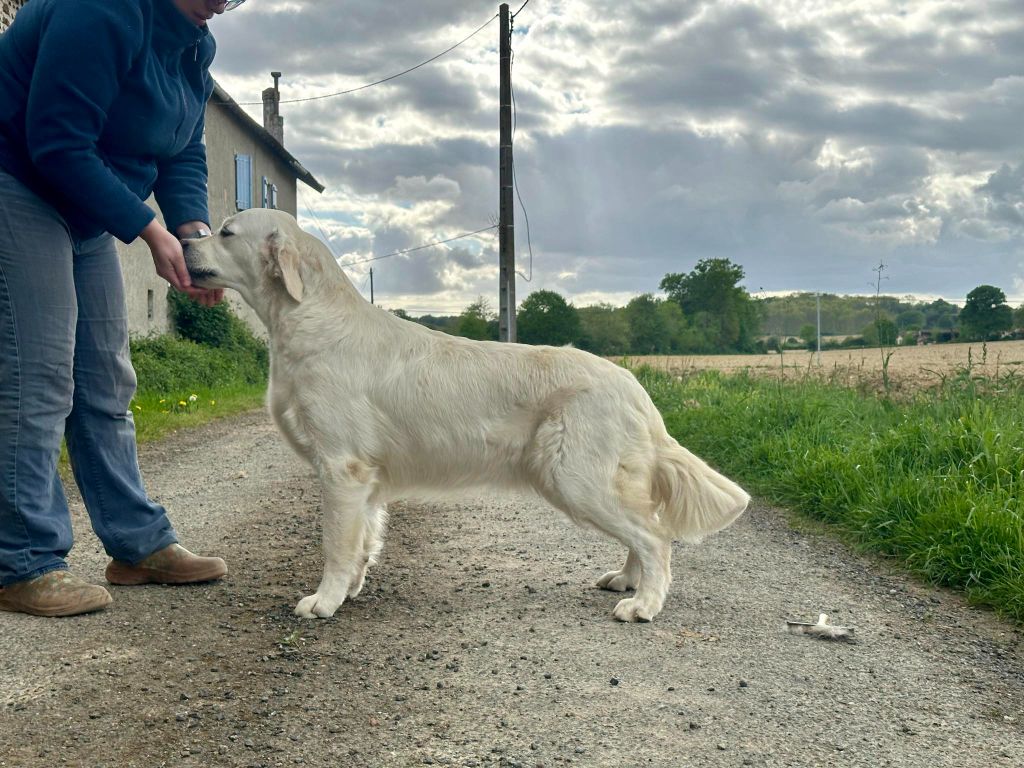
{"x": 475, "y": 321}
{"x": 847, "y": 315}
{"x": 910, "y": 320}
{"x": 648, "y": 334}
{"x": 940, "y": 314}
{"x": 545, "y": 317}
{"x": 809, "y": 334}
{"x": 446, "y": 323}
{"x": 401, "y": 313}
{"x": 881, "y": 333}
{"x": 986, "y": 314}
{"x": 604, "y": 329}
{"x": 677, "y": 333}
{"x": 711, "y": 297}
{"x": 1018, "y": 317}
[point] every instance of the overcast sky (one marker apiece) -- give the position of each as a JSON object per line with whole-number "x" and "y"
{"x": 806, "y": 140}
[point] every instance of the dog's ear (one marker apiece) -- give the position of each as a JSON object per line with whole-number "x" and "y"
{"x": 284, "y": 258}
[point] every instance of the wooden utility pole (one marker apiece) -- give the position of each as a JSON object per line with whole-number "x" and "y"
{"x": 506, "y": 210}
{"x": 371, "y": 285}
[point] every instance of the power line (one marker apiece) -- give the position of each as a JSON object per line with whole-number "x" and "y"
{"x": 515, "y": 179}
{"x": 520, "y": 8}
{"x": 327, "y": 240}
{"x": 419, "y": 247}
{"x": 386, "y": 79}
{"x": 337, "y": 258}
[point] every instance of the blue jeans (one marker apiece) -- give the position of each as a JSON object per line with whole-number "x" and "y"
{"x": 65, "y": 371}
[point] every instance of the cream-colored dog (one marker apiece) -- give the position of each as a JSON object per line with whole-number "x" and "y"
{"x": 384, "y": 408}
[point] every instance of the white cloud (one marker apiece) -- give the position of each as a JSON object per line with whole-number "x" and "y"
{"x": 804, "y": 139}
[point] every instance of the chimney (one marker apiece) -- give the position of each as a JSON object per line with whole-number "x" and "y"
{"x": 272, "y": 119}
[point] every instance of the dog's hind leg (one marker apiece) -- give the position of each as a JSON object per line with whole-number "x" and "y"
{"x": 347, "y": 488}
{"x": 372, "y": 543}
{"x": 648, "y": 565}
{"x": 625, "y": 578}
{"x": 655, "y": 578}
{"x": 652, "y": 563}
{"x": 575, "y": 466}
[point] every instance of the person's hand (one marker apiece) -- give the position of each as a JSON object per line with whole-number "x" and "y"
{"x": 205, "y": 296}
{"x": 208, "y": 297}
{"x": 169, "y": 261}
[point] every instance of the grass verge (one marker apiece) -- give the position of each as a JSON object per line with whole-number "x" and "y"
{"x": 935, "y": 481}
{"x": 159, "y": 414}
{"x": 185, "y": 384}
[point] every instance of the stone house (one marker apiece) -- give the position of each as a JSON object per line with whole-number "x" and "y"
{"x": 248, "y": 167}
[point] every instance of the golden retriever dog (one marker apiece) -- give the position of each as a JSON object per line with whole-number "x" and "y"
{"x": 383, "y": 408}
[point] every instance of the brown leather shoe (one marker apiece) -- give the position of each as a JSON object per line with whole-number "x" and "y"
{"x": 56, "y": 593}
{"x": 170, "y": 565}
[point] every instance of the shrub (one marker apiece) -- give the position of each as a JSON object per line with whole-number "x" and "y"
{"x": 216, "y": 349}
{"x": 215, "y": 326}
{"x": 166, "y": 364}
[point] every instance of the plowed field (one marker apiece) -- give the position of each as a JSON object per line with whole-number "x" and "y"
{"x": 908, "y": 368}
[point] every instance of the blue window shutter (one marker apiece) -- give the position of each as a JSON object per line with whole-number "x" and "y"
{"x": 266, "y": 192}
{"x": 243, "y": 182}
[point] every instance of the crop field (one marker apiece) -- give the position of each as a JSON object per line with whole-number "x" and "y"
{"x": 908, "y": 369}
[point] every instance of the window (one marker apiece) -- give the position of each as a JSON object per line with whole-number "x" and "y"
{"x": 273, "y": 196}
{"x": 243, "y": 181}
{"x": 266, "y": 193}
{"x": 149, "y": 304}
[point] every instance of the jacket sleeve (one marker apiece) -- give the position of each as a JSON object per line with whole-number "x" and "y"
{"x": 84, "y": 50}
{"x": 181, "y": 187}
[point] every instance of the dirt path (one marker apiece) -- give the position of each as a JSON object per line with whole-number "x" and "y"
{"x": 480, "y": 641}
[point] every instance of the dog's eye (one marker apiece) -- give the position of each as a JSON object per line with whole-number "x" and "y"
{"x": 225, "y": 232}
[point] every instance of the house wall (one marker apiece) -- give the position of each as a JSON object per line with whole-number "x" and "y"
{"x": 145, "y": 293}
{"x": 226, "y": 137}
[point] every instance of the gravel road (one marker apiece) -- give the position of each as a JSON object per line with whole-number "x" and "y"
{"x": 480, "y": 640}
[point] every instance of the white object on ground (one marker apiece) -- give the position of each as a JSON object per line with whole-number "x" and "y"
{"x": 822, "y": 629}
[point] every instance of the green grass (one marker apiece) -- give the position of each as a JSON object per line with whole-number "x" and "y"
{"x": 936, "y": 481}
{"x": 157, "y": 415}
{"x": 184, "y": 384}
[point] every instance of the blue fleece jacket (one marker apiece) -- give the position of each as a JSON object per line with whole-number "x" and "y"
{"x": 101, "y": 103}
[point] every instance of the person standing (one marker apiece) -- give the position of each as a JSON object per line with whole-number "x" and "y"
{"x": 102, "y": 102}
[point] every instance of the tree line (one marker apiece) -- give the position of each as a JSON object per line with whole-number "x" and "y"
{"x": 707, "y": 311}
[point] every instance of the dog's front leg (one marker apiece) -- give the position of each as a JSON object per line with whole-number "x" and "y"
{"x": 347, "y": 488}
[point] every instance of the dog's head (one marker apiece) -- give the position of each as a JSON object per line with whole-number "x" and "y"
{"x": 258, "y": 252}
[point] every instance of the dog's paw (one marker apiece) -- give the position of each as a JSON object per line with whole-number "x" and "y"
{"x": 632, "y": 609}
{"x": 357, "y": 584}
{"x": 616, "y": 581}
{"x": 317, "y": 606}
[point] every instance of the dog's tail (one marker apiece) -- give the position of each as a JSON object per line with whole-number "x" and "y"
{"x": 693, "y": 500}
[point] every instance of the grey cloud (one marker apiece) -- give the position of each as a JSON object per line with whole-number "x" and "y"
{"x": 1005, "y": 183}
{"x": 361, "y": 39}
{"x": 615, "y": 204}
